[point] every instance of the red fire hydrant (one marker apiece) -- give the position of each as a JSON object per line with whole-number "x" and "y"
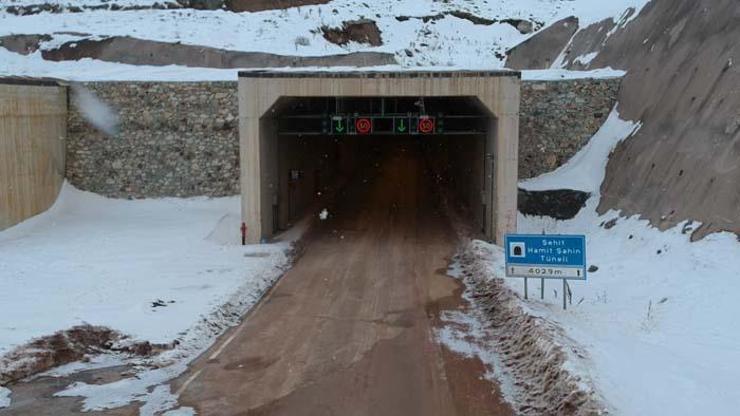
{"x": 244, "y": 234}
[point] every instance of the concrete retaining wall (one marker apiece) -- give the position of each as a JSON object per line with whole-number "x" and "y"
{"x": 33, "y": 126}
{"x": 181, "y": 139}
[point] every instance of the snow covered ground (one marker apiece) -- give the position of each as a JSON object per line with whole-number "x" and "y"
{"x": 108, "y": 262}
{"x": 4, "y": 397}
{"x": 447, "y": 42}
{"x": 659, "y": 317}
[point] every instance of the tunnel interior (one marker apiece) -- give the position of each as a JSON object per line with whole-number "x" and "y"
{"x": 314, "y": 148}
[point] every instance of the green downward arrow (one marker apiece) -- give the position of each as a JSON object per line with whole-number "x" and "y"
{"x": 339, "y": 127}
{"x": 401, "y": 127}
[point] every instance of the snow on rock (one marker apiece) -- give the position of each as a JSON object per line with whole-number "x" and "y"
{"x": 586, "y": 59}
{"x": 564, "y": 74}
{"x": 621, "y": 11}
{"x": 585, "y": 171}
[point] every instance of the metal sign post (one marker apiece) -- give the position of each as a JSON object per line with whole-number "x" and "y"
{"x": 565, "y": 295}
{"x": 561, "y": 257}
{"x": 542, "y": 288}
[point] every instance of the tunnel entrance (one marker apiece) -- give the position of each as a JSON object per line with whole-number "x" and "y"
{"x": 306, "y": 135}
{"x": 325, "y": 143}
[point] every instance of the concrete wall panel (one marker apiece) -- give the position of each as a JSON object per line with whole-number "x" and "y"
{"x": 33, "y": 125}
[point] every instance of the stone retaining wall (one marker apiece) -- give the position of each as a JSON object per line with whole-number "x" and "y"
{"x": 181, "y": 139}
{"x": 558, "y": 118}
{"x": 175, "y": 139}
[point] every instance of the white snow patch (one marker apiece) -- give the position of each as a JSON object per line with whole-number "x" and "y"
{"x": 94, "y": 362}
{"x": 181, "y": 411}
{"x": 564, "y": 74}
{"x": 585, "y": 171}
{"x": 464, "y": 334}
{"x": 125, "y": 391}
{"x": 586, "y": 59}
{"x": 455, "y": 269}
{"x": 4, "y": 397}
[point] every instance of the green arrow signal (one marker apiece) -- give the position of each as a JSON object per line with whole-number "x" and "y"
{"x": 401, "y": 127}
{"x": 339, "y": 127}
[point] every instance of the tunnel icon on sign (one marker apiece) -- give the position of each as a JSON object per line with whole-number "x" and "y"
{"x": 517, "y": 250}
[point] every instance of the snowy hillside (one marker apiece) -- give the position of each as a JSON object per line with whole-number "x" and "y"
{"x": 458, "y": 33}
{"x": 657, "y": 314}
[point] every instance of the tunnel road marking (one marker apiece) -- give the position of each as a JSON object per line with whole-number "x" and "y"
{"x": 224, "y": 345}
{"x": 187, "y": 382}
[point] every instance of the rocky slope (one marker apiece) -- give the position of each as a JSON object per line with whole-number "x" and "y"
{"x": 681, "y": 58}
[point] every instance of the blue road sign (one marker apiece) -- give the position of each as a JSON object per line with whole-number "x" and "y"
{"x": 546, "y": 256}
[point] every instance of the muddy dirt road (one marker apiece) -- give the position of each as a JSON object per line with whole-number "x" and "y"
{"x": 349, "y": 330}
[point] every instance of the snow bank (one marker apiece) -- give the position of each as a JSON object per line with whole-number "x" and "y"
{"x": 658, "y": 317}
{"x": 540, "y": 368}
{"x": 145, "y": 268}
{"x": 157, "y": 270}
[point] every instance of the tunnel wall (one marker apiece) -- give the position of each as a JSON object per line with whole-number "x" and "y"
{"x": 33, "y": 125}
{"x": 460, "y": 163}
{"x": 315, "y": 159}
{"x": 181, "y": 138}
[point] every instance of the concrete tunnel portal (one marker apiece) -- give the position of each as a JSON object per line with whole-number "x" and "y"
{"x": 303, "y": 134}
